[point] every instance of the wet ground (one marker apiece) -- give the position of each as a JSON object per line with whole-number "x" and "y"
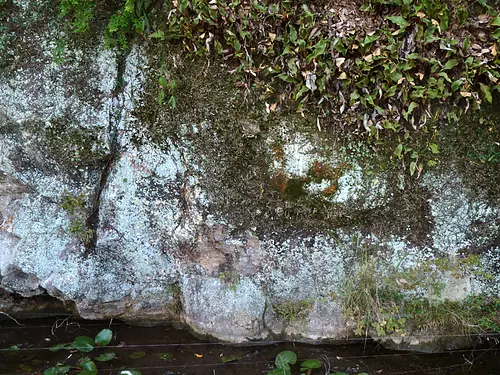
{"x": 167, "y": 351}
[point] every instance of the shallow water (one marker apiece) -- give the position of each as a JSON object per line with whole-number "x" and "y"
{"x": 167, "y": 351}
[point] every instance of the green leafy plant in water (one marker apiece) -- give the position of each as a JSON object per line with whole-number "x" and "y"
{"x": 84, "y": 344}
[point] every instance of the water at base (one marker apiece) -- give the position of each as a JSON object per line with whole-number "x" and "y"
{"x": 167, "y": 351}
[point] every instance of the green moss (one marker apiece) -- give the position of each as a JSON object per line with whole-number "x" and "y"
{"x": 74, "y": 205}
{"x": 292, "y": 311}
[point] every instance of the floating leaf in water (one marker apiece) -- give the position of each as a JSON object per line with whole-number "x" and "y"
{"x": 84, "y": 344}
{"x": 60, "y": 370}
{"x": 231, "y": 358}
{"x": 285, "y": 358}
{"x": 59, "y": 347}
{"x": 104, "y": 357}
{"x": 137, "y": 355}
{"x": 104, "y": 337}
{"x": 166, "y": 356}
{"x": 310, "y": 364}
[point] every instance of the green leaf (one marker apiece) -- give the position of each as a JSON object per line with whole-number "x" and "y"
{"x": 59, "y": 347}
{"x": 319, "y": 49}
{"x": 292, "y": 35}
{"x": 237, "y": 45}
{"x": 434, "y": 148}
{"x": 445, "y": 18}
{"x": 60, "y": 370}
{"x": 398, "y": 20}
{"x": 398, "y": 150}
{"x": 230, "y": 358}
{"x": 84, "y": 344}
{"x": 369, "y": 39}
{"x": 466, "y": 43}
{"x": 88, "y": 365}
{"x": 157, "y": 35}
{"x": 411, "y": 107}
{"x": 172, "y": 101}
{"x": 166, "y": 356}
{"x": 462, "y": 15}
{"x": 137, "y": 355}
{"x": 432, "y": 163}
{"x": 285, "y": 358}
{"x": 292, "y": 66}
{"x": 162, "y": 81}
{"x": 413, "y": 167}
{"x": 310, "y": 364}
{"x": 495, "y": 21}
{"x": 450, "y": 64}
{"x": 486, "y": 91}
{"x": 104, "y": 357}
{"x": 456, "y": 85}
{"x": 161, "y": 97}
{"x": 287, "y": 78}
{"x": 280, "y": 371}
{"x": 104, "y": 337}
{"x": 496, "y": 34}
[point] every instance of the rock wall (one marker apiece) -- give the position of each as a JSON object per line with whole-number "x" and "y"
{"x": 240, "y": 222}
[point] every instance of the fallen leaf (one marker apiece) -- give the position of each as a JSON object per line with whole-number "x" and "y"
{"x": 339, "y": 61}
{"x": 198, "y": 355}
{"x": 465, "y": 94}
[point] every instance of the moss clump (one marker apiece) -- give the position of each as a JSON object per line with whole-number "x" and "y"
{"x": 292, "y": 311}
{"x": 74, "y": 205}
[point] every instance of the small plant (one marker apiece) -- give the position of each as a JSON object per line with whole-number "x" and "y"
{"x": 84, "y": 344}
{"x": 59, "y": 51}
{"x": 80, "y": 13}
{"x": 386, "y": 298}
{"x": 74, "y": 205}
{"x": 167, "y": 86}
{"x": 284, "y": 360}
{"x": 292, "y": 311}
{"x": 229, "y": 278}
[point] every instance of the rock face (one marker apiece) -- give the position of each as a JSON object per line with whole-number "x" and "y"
{"x": 240, "y": 222}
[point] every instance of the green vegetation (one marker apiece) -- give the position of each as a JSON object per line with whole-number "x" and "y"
{"x": 83, "y": 344}
{"x": 387, "y": 299}
{"x": 287, "y": 358}
{"x": 426, "y": 62}
{"x": 229, "y": 278}
{"x": 75, "y": 207}
{"x": 292, "y": 311}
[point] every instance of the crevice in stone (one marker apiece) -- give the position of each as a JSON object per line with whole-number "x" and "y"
{"x": 115, "y": 116}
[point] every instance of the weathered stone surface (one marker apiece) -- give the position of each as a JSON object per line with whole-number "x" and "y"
{"x": 240, "y": 223}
